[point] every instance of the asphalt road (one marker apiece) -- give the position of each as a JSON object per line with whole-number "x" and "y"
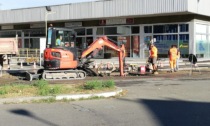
{"x": 164, "y": 101}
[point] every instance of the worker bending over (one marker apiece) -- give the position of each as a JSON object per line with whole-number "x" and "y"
{"x": 173, "y": 52}
{"x": 153, "y": 57}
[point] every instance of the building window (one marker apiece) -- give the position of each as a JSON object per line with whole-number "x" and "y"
{"x": 135, "y": 29}
{"x": 89, "y": 31}
{"x": 147, "y": 29}
{"x": 184, "y": 27}
{"x": 164, "y": 42}
{"x": 170, "y": 28}
{"x": 5, "y": 34}
{"x": 80, "y": 32}
{"x": 184, "y": 37}
{"x": 119, "y": 30}
{"x": 184, "y": 45}
{"x": 110, "y": 30}
{"x": 100, "y": 31}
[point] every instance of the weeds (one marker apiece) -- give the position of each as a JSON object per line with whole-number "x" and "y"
{"x": 95, "y": 84}
{"x": 108, "y": 84}
{"x": 43, "y": 88}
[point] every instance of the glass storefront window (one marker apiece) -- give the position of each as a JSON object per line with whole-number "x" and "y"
{"x": 184, "y": 27}
{"x": 100, "y": 31}
{"x": 110, "y": 30}
{"x": 123, "y": 30}
{"x": 32, "y": 43}
{"x": 135, "y": 29}
{"x": 119, "y": 30}
{"x": 34, "y": 32}
{"x": 158, "y": 29}
{"x": 89, "y": 31}
{"x": 147, "y": 29}
{"x": 184, "y": 45}
{"x": 107, "y": 50}
{"x": 164, "y": 42}
{"x": 6, "y": 34}
{"x": 80, "y": 44}
{"x": 201, "y": 46}
{"x": 80, "y": 32}
{"x": 114, "y": 53}
{"x": 170, "y": 28}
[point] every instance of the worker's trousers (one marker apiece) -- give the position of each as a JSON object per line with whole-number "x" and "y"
{"x": 172, "y": 63}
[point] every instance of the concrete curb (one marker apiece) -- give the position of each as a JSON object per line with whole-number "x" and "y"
{"x": 79, "y": 96}
{"x": 22, "y": 99}
{"x": 61, "y": 97}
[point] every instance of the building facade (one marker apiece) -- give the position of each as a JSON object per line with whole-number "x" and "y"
{"x": 185, "y": 23}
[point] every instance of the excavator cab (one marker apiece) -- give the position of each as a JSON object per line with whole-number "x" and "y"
{"x": 60, "y": 37}
{"x": 60, "y": 52}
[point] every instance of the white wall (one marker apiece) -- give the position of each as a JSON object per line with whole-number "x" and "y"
{"x": 96, "y": 10}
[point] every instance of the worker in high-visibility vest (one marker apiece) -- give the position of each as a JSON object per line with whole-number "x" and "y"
{"x": 173, "y": 52}
{"x": 153, "y": 57}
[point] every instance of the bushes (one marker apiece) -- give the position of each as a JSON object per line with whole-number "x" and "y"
{"x": 95, "y": 84}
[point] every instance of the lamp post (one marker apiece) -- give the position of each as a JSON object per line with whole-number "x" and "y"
{"x": 48, "y": 11}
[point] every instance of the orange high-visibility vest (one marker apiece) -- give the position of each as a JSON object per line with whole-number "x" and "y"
{"x": 173, "y": 53}
{"x": 153, "y": 52}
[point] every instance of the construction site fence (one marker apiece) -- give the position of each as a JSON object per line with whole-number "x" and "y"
{"x": 29, "y": 55}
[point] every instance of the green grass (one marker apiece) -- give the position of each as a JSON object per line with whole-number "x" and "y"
{"x": 95, "y": 84}
{"x": 43, "y": 88}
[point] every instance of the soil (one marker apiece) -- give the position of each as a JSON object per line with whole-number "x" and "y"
{"x": 11, "y": 79}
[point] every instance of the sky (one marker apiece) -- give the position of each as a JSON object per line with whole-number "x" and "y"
{"x": 16, "y": 4}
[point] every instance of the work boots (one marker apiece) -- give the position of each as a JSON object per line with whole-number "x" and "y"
{"x": 155, "y": 72}
{"x": 173, "y": 70}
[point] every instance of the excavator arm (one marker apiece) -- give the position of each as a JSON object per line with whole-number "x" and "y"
{"x": 103, "y": 41}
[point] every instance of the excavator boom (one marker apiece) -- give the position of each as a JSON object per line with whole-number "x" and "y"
{"x": 103, "y": 41}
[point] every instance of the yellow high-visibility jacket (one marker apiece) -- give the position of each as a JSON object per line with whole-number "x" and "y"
{"x": 173, "y": 53}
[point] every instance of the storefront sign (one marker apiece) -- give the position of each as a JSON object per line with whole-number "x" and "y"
{"x": 116, "y": 21}
{"x": 73, "y": 24}
{"x": 183, "y": 46}
{"x": 37, "y": 25}
{"x": 7, "y": 27}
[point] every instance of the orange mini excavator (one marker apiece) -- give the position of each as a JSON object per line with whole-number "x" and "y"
{"x": 61, "y": 61}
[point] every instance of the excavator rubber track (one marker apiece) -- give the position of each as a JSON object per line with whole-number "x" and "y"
{"x": 63, "y": 74}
